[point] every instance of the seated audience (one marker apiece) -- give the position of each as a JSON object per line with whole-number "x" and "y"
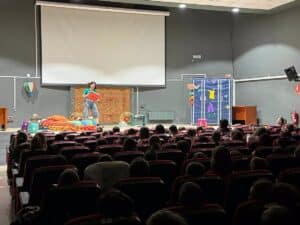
{"x": 184, "y": 146}
{"x": 160, "y": 129}
{"x": 173, "y": 130}
{"x": 221, "y": 162}
{"x": 237, "y": 135}
{"x": 199, "y": 130}
{"x": 154, "y": 139}
{"x": 105, "y": 158}
{"x": 144, "y": 135}
{"x": 191, "y": 194}
{"x": 68, "y": 177}
{"x": 286, "y": 195}
{"x": 262, "y": 190}
{"x": 116, "y": 130}
{"x": 150, "y": 155}
{"x": 139, "y": 167}
{"x": 278, "y": 215}
{"x": 21, "y": 138}
{"x": 39, "y": 142}
{"x": 216, "y": 137}
{"x": 258, "y": 163}
{"x": 223, "y": 127}
{"x": 130, "y": 145}
{"x": 297, "y": 152}
{"x": 195, "y": 169}
{"x": 155, "y": 147}
{"x": 165, "y": 217}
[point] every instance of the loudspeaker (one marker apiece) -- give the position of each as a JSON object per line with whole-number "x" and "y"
{"x": 291, "y": 73}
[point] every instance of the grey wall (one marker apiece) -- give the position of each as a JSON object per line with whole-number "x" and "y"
{"x": 17, "y": 58}
{"x": 190, "y": 32}
{"x": 264, "y": 45}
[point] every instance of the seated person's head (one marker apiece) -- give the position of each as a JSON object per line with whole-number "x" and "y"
{"x": 59, "y": 137}
{"x": 297, "y": 152}
{"x": 216, "y": 137}
{"x": 199, "y": 130}
{"x": 262, "y": 190}
{"x": 191, "y": 132}
{"x": 265, "y": 140}
{"x": 235, "y": 153}
{"x": 223, "y": 125}
{"x": 68, "y": 177}
{"x": 260, "y": 130}
{"x": 150, "y": 155}
{"x": 277, "y": 215}
{"x": 154, "y": 139}
{"x": 39, "y": 142}
{"x": 129, "y": 145}
{"x": 184, "y": 146}
{"x": 221, "y": 161}
{"x": 160, "y": 129}
{"x": 173, "y": 129}
{"x": 21, "y": 137}
{"x": 258, "y": 163}
{"x": 286, "y": 195}
{"x": 144, "y": 133}
{"x": 191, "y": 194}
{"x": 131, "y": 131}
{"x": 199, "y": 155}
{"x": 115, "y": 204}
{"x": 195, "y": 169}
{"x": 139, "y": 167}
{"x": 203, "y": 138}
{"x": 237, "y": 135}
{"x": 116, "y": 129}
{"x": 165, "y": 217}
{"x": 105, "y": 158}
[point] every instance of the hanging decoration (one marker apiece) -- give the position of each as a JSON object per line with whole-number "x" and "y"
{"x": 29, "y": 87}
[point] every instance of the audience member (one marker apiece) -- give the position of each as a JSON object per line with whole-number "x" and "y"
{"x": 165, "y": 217}
{"x": 139, "y": 167}
{"x": 105, "y": 158}
{"x": 68, "y": 177}
{"x": 184, "y": 146}
{"x": 221, "y": 162}
{"x": 39, "y": 142}
{"x": 195, "y": 169}
{"x": 116, "y": 130}
{"x": 130, "y": 145}
{"x": 258, "y": 163}
{"x": 150, "y": 155}
{"x": 191, "y": 194}
{"x": 277, "y": 215}
{"x": 160, "y": 129}
{"x": 262, "y": 190}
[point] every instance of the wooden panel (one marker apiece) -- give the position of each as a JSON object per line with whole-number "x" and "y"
{"x": 246, "y": 113}
{"x": 3, "y": 117}
{"x": 113, "y": 102}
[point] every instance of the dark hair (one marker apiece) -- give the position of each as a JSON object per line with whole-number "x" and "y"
{"x": 144, "y": 133}
{"x": 260, "y": 130}
{"x": 92, "y": 82}
{"x": 173, "y": 129}
{"x": 191, "y": 194}
{"x": 265, "y": 140}
{"x": 286, "y": 195}
{"x": 221, "y": 161}
{"x": 199, "y": 129}
{"x": 59, "y": 137}
{"x": 262, "y": 190}
{"x": 131, "y": 131}
{"x": 237, "y": 135}
{"x": 155, "y": 147}
{"x": 39, "y": 142}
{"x": 165, "y": 217}
{"x": 160, "y": 129}
{"x": 154, "y": 139}
{"x": 139, "y": 167}
{"x": 235, "y": 153}
{"x": 184, "y": 146}
{"x": 116, "y": 129}
{"x": 21, "y": 137}
{"x": 297, "y": 152}
{"x": 68, "y": 177}
{"x": 129, "y": 145}
{"x": 191, "y": 132}
{"x": 114, "y": 204}
{"x": 150, "y": 155}
{"x": 223, "y": 125}
{"x": 203, "y": 138}
{"x": 216, "y": 137}
{"x": 195, "y": 169}
{"x": 258, "y": 163}
{"x": 277, "y": 215}
{"x": 105, "y": 158}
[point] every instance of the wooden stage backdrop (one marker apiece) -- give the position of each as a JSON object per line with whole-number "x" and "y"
{"x": 113, "y": 102}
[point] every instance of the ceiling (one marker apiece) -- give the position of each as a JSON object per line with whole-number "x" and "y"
{"x": 246, "y": 4}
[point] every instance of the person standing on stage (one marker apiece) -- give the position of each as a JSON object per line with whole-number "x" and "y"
{"x": 90, "y": 104}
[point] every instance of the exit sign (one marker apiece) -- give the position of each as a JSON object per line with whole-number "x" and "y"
{"x": 297, "y": 89}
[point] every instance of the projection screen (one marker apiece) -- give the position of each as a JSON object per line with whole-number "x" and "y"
{"x": 111, "y": 46}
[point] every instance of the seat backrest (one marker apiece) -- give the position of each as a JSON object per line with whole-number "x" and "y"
{"x": 203, "y": 145}
{"x": 91, "y": 144}
{"x": 107, "y": 173}
{"x": 248, "y": 213}
{"x": 26, "y": 155}
{"x": 83, "y": 160}
{"x": 42, "y": 179}
{"x": 263, "y": 151}
{"x": 36, "y": 162}
{"x": 149, "y": 193}
{"x": 69, "y": 151}
{"x": 279, "y": 162}
{"x": 128, "y": 156}
{"x": 175, "y": 155}
{"x": 57, "y": 145}
{"x": 18, "y": 150}
{"x": 209, "y": 214}
{"x": 97, "y": 219}
{"x": 64, "y": 203}
{"x": 167, "y": 170}
{"x": 82, "y": 139}
{"x": 109, "y": 149}
{"x": 291, "y": 176}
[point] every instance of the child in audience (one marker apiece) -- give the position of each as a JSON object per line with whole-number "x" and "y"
{"x": 68, "y": 177}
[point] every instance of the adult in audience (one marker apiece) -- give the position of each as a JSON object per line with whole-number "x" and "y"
{"x": 130, "y": 145}
{"x": 203, "y": 138}
{"x": 223, "y": 127}
{"x": 105, "y": 158}
{"x": 281, "y": 122}
{"x": 235, "y": 154}
{"x": 165, "y": 217}
{"x": 20, "y": 139}
{"x": 221, "y": 162}
{"x": 154, "y": 139}
{"x": 115, "y": 204}
{"x": 59, "y": 137}
{"x": 265, "y": 140}
{"x": 195, "y": 169}
{"x": 184, "y": 146}
{"x": 216, "y": 137}
{"x": 237, "y": 135}
{"x": 150, "y": 155}
{"x": 191, "y": 194}
{"x": 155, "y": 147}
{"x": 39, "y": 142}
{"x": 286, "y": 195}
{"x": 199, "y": 130}
{"x": 68, "y": 177}
{"x": 131, "y": 132}
{"x": 262, "y": 190}
{"x": 116, "y": 130}
{"x": 139, "y": 167}
{"x": 173, "y": 130}
{"x": 191, "y": 133}
{"x": 160, "y": 129}
{"x": 144, "y": 135}
{"x": 278, "y": 215}
{"x": 258, "y": 163}
{"x": 297, "y": 152}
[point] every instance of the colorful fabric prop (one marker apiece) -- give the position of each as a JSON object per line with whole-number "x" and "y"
{"x": 33, "y": 127}
{"x": 190, "y": 86}
{"x": 191, "y": 100}
{"x": 295, "y": 118}
{"x": 126, "y": 117}
{"x": 93, "y": 96}
{"x": 29, "y": 88}
{"x": 210, "y": 108}
{"x": 212, "y": 94}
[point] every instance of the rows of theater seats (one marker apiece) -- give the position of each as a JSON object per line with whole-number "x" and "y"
{"x": 33, "y": 175}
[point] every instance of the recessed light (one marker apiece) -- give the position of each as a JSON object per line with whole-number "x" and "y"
{"x": 182, "y": 6}
{"x": 235, "y": 10}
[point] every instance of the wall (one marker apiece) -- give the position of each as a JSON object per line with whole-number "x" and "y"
{"x": 190, "y": 32}
{"x": 264, "y": 45}
{"x": 17, "y": 58}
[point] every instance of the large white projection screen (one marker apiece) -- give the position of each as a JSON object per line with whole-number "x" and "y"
{"x": 110, "y": 47}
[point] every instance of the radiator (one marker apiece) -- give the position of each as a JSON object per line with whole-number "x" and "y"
{"x": 161, "y": 116}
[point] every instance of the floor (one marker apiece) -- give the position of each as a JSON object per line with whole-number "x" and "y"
{"x": 5, "y": 199}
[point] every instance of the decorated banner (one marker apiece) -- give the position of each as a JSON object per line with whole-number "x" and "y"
{"x": 29, "y": 87}
{"x": 191, "y": 98}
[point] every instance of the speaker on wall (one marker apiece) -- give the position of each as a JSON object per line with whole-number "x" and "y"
{"x": 291, "y": 73}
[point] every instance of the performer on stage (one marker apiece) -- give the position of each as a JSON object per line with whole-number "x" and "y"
{"x": 90, "y": 98}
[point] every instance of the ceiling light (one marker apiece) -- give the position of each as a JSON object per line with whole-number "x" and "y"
{"x": 235, "y": 10}
{"x": 182, "y": 6}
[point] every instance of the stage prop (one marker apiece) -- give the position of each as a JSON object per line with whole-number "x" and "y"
{"x": 244, "y": 114}
{"x": 112, "y": 103}
{"x": 3, "y": 118}
{"x": 211, "y": 100}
